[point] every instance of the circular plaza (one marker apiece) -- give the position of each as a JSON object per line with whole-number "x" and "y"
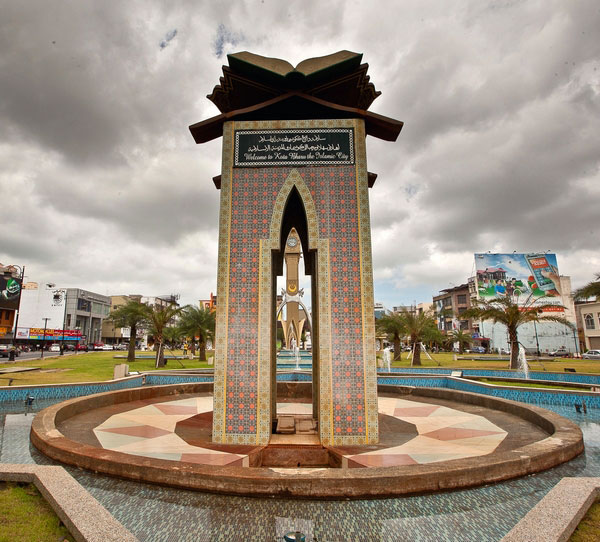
{"x": 431, "y": 439}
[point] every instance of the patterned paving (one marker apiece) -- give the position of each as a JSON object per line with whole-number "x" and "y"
{"x": 442, "y": 434}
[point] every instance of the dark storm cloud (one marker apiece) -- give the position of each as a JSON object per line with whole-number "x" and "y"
{"x": 498, "y": 152}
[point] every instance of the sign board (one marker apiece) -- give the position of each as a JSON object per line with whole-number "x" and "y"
{"x": 294, "y": 147}
{"x": 521, "y": 276}
{"x": 53, "y": 334}
{"x": 10, "y": 292}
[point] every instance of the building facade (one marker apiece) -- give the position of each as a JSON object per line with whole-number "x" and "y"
{"x": 588, "y": 324}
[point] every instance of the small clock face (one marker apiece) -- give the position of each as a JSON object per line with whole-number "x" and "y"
{"x": 292, "y": 242}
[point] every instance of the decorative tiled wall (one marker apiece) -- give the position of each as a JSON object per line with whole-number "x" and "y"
{"x": 66, "y": 391}
{"x": 335, "y": 200}
{"x": 580, "y": 378}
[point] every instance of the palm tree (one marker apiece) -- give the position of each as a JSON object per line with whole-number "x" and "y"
{"x": 133, "y": 315}
{"x": 420, "y": 327}
{"x": 592, "y": 289}
{"x": 394, "y": 327}
{"x": 508, "y": 312}
{"x": 198, "y": 322}
{"x": 173, "y": 335}
{"x": 463, "y": 339}
{"x": 160, "y": 317}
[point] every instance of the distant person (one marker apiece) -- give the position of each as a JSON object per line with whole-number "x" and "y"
{"x": 500, "y": 289}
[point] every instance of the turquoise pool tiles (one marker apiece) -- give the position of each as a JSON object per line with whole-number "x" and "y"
{"x": 65, "y": 391}
{"x": 579, "y": 378}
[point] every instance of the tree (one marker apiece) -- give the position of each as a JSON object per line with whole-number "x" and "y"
{"x": 133, "y": 315}
{"x": 420, "y": 327}
{"x": 160, "y": 317}
{"x": 393, "y": 326}
{"x": 592, "y": 289}
{"x": 198, "y": 322}
{"x": 173, "y": 335}
{"x": 507, "y": 311}
{"x": 462, "y": 338}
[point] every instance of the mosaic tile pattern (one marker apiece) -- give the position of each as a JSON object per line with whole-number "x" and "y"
{"x": 65, "y": 391}
{"x": 579, "y": 378}
{"x": 149, "y": 431}
{"x": 336, "y": 204}
{"x": 442, "y": 434}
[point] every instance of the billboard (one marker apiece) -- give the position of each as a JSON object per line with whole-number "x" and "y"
{"x": 10, "y": 292}
{"x": 524, "y": 277}
{"x": 53, "y": 334}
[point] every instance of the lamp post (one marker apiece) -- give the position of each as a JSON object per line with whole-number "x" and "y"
{"x": 537, "y": 342}
{"x": 44, "y": 337}
{"x": 576, "y": 341}
{"x": 62, "y": 344}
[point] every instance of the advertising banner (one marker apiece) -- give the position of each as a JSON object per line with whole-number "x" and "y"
{"x": 525, "y": 277}
{"x": 10, "y": 292}
{"x": 37, "y": 334}
{"x": 23, "y": 333}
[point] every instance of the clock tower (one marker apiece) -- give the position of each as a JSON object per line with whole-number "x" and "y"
{"x": 293, "y": 324}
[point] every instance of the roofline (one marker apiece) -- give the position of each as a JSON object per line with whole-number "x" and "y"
{"x": 376, "y": 125}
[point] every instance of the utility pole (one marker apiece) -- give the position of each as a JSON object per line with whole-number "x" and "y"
{"x": 44, "y": 338}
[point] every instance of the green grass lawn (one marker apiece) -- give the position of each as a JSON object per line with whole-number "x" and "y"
{"x": 87, "y": 367}
{"x": 588, "y": 529}
{"x": 98, "y": 366}
{"x": 27, "y": 517}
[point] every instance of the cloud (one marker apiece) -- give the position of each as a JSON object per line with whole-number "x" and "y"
{"x": 225, "y": 38}
{"x": 168, "y": 37}
{"x": 103, "y": 188}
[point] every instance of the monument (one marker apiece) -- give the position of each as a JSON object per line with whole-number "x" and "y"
{"x": 294, "y": 156}
{"x": 293, "y": 324}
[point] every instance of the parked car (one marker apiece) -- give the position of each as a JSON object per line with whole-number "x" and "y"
{"x": 107, "y": 347}
{"x": 5, "y": 350}
{"x": 121, "y": 346}
{"x": 98, "y": 346}
{"x": 478, "y": 349}
{"x": 69, "y": 347}
{"x": 559, "y": 352}
{"x": 55, "y": 347}
{"x": 82, "y": 348}
{"x": 591, "y": 354}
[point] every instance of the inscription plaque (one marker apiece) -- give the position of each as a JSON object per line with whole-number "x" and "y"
{"x": 302, "y": 147}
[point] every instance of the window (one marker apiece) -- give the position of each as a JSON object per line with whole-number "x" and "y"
{"x": 464, "y": 324}
{"x": 462, "y": 299}
{"x": 461, "y": 310}
{"x": 589, "y": 321}
{"x": 83, "y": 305}
{"x": 447, "y": 302}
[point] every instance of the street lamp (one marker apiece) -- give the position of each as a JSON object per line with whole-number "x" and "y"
{"x": 44, "y": 338}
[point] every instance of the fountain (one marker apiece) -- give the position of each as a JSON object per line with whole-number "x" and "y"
{"x": 522, "y": 360}
{"x": 387, "y": 358}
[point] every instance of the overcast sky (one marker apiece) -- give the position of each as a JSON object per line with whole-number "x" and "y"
{"x": 102, "y": 186}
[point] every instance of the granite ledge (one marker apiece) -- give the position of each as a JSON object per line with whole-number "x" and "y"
{"x": 85, "y": 518}
{"x": 558, "y": 514}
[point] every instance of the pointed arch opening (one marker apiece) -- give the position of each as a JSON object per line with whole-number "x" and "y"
{"x": 295, "y": 265}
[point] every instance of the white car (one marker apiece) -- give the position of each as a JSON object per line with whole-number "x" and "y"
{"x": 591, "y": 354}
{"x": 107, "y": 347}
{"x": 54, "y": 348}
